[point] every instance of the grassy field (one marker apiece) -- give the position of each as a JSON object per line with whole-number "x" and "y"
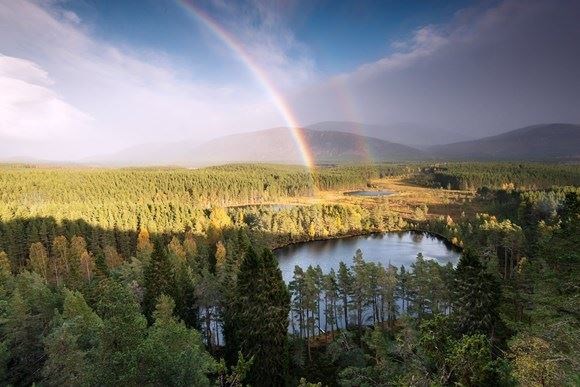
{"x": 405, "y": 199}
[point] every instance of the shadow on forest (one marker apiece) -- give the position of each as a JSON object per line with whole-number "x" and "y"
{"x": 18, "y": 234}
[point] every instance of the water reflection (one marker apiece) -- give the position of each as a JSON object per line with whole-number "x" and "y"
{"x": 369, "y": 193}
{"x": 396, "y": 248}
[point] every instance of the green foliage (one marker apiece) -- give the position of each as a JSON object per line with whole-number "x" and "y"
{"x": 235, "y": 375}
{"x": 79, "y": 273}
{"x": 476, "y": 297}
{"x": 472, "y": 175}
{"x": 158, "y": 279}
{"x": 172, "y": 354}
{"x": 123, "y": 331}
{"x": 71, "y": 346}
{"x": 259, "y": 331}
{"x": 31, "y": 307}
{"x": 470, "y": 360}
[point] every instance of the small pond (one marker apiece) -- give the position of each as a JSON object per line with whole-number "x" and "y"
{"x": 369, "y": 193}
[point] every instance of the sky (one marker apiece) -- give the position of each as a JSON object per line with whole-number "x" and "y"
{"x": 86, "y": 77}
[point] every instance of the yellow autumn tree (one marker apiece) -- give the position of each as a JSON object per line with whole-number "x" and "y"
{"x": 218, "y": 221}
{"x": 78, "y": 248}
{"x": 177, "y": 251}
{"x": 144, "y": 246}
{"x": 534, "y": 361}
{"x": 189, "y": 246}
{"x": 112, "y": 258}
{"x": 87, "y": 266}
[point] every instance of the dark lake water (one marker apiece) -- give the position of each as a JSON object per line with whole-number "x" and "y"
{"x": 397, "y": 248}
{"x": 369, "y": 193}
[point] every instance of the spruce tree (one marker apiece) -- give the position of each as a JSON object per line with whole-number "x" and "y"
{"x": 477, "y": 297}
{"x": 256, "y": 321}
{"x": 120, "y": 337}
{"x": 158, "y": 279}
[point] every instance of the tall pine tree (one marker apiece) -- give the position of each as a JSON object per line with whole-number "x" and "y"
{"x": 256, "y": 321}
{"x": 158, "y": 279}
{"x": 477, "y": 297}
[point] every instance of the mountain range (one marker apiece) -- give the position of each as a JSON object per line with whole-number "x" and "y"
{"x": 537, "y": 142}
{"x": 404, "y": 133}
{"x": 342, "y": 142}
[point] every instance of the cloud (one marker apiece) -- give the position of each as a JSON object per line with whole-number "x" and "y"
{"x": 60, "y": 82}
{"x": 262, "y": 29}
{"x": 29, "y": 109}
{"x": 425, "y": 41}
{"x": 489, "y": 69}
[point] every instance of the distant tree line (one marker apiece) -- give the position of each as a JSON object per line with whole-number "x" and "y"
{"x": 471, "y": 175}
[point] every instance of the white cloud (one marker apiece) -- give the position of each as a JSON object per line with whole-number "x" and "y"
{"x": 29, "y": 109}
{"x": 55, "y": 75}
{"x": 425, "y": 41}
{"x": 261, "y": 27}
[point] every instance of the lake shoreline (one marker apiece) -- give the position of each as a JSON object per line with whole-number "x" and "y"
{"x": 366, "y": 233}
{"x": 398, "y": 248}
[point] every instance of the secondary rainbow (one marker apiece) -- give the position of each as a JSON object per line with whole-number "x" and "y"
{"x": 349, "y": 108}
{"x": 260, "y": 75}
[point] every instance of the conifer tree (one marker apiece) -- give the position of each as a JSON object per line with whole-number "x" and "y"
{"x": 38, "y": 259}
{"x": 59, "y": 260}
{"x": 257, "y": 319}
{"x": 5, "y": 268}
{"x": 344, "y": 281}
{"x": 476, "y": 297}
{"x": 158, "y": 279}
{"x": 120, "y": 337}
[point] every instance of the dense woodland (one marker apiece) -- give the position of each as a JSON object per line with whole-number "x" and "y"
{"x": 166, "y": 277}
{"x": 471, "y": 175}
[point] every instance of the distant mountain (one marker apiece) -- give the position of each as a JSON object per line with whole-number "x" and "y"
{"x": 163, "y": 153}
{"x": 538, "y": 142}
{"x": 277, "y": 145}
{"x": 404, "y": 133}
{"x": 280, "y": 146}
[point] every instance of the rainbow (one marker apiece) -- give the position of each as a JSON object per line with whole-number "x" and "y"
{"x": 260, "y": 74}
{"x": 349, "y": 108}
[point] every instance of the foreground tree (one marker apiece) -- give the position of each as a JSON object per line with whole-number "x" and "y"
{"x": 71, "y": 345}
{"x": 120, "y": 337}
{"x": 159, "y": 279}
{"x": 477, "y": 297}
{"x": 26, "y": 318}
{"x": 256, "y": 322}
{"x": 172, "y": 354}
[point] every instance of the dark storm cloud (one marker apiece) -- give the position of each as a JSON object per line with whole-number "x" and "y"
{"x": 489, "y": 70}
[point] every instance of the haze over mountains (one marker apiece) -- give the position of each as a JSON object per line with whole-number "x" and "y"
{"x": 403, "y": 133}
{"x": 537, "y": 142}
{"x": 276, "y": 145}
{"x": 337, "y": 142}
{"x": 334, "y": 142}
